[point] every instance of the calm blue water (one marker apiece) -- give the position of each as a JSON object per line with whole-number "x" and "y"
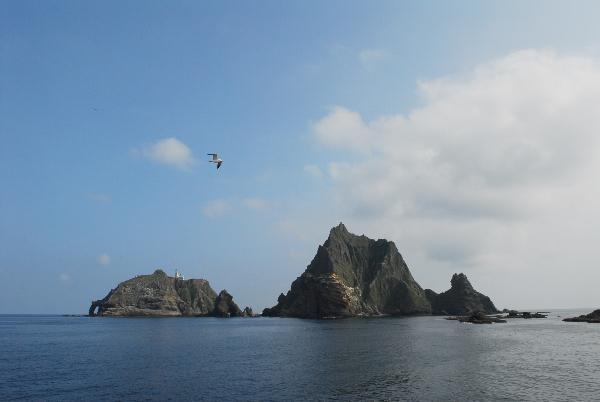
{"x": 415, "y": 358}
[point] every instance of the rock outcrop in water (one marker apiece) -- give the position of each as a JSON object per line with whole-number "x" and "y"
{"x": 460, "y": 299}
{"x": 593, "y": 317}
{"x": 478, "y": 317}
{"x": 161, "y": 295}
{"x": 352, "y": 276}
{"x": 525, "y": 314}
{"x": 225, "y": 307}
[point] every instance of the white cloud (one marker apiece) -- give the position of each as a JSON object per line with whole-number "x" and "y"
{"x": 492, "y": 172}
{"x": 257, "y": 204}
{"x": 104, "y": 259}
{"x": 168, "y": 151}
{"x": 344, "y": 129}
{"x": 215, "y": 208}
{"x": 526, "y": 120}
{"x": 314, "y": 171}
{"x": 64, "y": 277}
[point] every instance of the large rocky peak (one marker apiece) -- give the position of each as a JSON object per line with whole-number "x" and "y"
{"x": 460, "y": 283}
{"x": 161, "y": 295}
{"x": 357, "y": 260}
{"x": 353, "y": 275}
{"x": 460, "y": 299}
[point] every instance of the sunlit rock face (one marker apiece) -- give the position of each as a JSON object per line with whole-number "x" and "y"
{"x": 161, "y": 295}
{"x": 351, "y": 276}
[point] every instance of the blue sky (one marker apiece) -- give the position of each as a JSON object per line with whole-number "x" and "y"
{"x": 88, "y": 91}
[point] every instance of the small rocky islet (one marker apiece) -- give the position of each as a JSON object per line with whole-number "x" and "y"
{"x": 159, "y": 295}
{"x": 479, "y": 317}
{"x": 592, "y": 318}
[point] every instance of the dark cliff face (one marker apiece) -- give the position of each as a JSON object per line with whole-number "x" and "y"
{"x": 225, "y": 307}
{"x": 353, "y": 275}
{"x": 430, "y": 295}
{"x": 161, "y": 295}
{"x": 593, "y": 317}
{"x": 460, "y": 299}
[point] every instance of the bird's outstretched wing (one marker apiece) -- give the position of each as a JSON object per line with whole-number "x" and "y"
{"x": 219, "y": 165}
{"x": 215, "y": 156}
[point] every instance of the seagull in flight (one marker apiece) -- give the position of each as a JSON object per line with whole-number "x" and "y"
{"x": 216, "y": 159}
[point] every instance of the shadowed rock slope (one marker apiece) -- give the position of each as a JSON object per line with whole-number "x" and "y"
{"x": 161, "y": 295}
{"x": 351, "y": 276}
{"x": 593, "y": 317}
{"x": 460, "y": 299}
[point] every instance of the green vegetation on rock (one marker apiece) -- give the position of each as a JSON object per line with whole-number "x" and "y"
{"x": 161, "y": 295}
{"x": 351, "y": 276}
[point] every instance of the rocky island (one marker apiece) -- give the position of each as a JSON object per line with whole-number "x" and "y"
{"x": 161, "y": 295}
{"x": 353, "y": 275}
{"x": 460, "y": 299}
{"x": 593, "y": 317}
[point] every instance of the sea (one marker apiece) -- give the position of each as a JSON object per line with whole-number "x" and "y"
{"x": 424, "y": 358}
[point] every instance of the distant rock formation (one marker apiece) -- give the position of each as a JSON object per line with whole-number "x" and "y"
{"x": 225, "y": 307}
{"x": 593, "y": 317}
{"x": 525, "y": 314}
{"x": 460, "y": 299}
{"x": 478, "y": 317}
{"x": 352, "y": 276}
{"x": 161, "y": 295}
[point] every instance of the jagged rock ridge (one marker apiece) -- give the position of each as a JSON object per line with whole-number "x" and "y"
{"x": 350, "y": 276}
{"x": 460, "y": 299}
{"x": 161, "y": 295}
